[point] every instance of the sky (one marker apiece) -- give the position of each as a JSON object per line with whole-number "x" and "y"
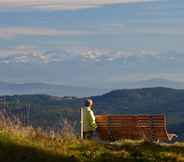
{"x": 94, "y": 43}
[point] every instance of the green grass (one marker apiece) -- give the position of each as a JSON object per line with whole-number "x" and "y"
{"x": 16, "y": 148}
{"x": 26, "y": 144}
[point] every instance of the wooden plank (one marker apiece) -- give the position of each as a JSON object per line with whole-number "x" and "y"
{"x": 133, "y": 126}
{"x": 130, "y": 125}
{"x": 136, "y": 116}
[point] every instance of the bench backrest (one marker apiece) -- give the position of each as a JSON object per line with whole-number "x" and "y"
{"x": 148, "y": 127}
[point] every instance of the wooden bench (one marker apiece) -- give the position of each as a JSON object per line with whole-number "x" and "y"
{"x": 147, "y": 127}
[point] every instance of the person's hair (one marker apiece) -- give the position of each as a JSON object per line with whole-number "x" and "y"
{"x": 88, "y": 102}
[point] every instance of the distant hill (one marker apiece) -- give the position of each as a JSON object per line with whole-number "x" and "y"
{"x": 64, "y": 90}
{"x": 155, "y": 82}
{"x": 48, "y": 110}
{"x": 50, "y": 89}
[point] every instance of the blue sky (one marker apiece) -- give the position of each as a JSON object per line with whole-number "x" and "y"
{"x": 91, "y": 43}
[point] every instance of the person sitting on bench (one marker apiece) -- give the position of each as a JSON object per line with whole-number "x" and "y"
{"x": 89, "y": 123}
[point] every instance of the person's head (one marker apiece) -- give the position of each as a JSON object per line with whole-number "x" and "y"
{"x": 89, "y": 103}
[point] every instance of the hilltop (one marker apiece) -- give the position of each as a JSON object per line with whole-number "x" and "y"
{"x": 50, "y": 111}
{"x": 27, "y": 144}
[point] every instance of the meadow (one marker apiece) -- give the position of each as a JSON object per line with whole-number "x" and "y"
{"x": 19, "y": 143}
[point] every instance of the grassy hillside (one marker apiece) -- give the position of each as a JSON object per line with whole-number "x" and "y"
{"x": 50, "y": 111}
{"x": 25, "y": 144}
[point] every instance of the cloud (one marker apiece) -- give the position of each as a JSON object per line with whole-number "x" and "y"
{"x": 138, "y": 55}
{"x": 9, "y": 32}
{"x": 22, "y": 54}
{"x": 100, "y": 54}
{"x": 142, "y": 28}
{"x": 29, "y": 54}
{"x": 106, "y": 29}
{"x": 63, "y": 4}
{"x": 32, "y": 54}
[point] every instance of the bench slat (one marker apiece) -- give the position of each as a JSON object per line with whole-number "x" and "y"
{"x": 132, "y": 126}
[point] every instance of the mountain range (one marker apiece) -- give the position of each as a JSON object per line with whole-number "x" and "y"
{"x": 50, "y": 89}
{"x": 7, "y": 88}
{"x": 155, "y": 82}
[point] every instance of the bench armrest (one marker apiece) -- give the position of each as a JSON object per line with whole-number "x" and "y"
{"x": 172, "y": 136}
